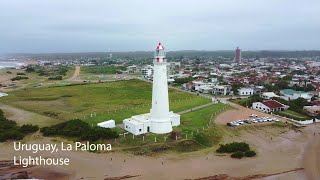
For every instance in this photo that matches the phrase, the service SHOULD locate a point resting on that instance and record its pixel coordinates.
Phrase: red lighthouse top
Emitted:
(159, 47)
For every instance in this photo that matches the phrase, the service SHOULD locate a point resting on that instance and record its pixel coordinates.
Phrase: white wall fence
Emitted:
(305, 122)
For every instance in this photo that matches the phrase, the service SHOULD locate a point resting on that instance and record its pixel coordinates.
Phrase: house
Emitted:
(198, 84)
(269, 106)
(246, 91)
(258, 89)
(205, 89)
(316, 85)
(290, 94)
(268, 95)
(222, 90)
(147, 72)
(187, 86)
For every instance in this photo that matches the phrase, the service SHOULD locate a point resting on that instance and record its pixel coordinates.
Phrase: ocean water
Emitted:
(9, 64)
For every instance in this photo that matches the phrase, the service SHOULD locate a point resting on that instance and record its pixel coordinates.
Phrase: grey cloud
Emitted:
(122, 25)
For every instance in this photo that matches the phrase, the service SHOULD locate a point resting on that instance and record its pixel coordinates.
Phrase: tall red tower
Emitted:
(237, 56)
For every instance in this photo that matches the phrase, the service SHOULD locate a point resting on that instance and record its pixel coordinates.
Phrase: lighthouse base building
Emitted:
(159, 120)
(142, 123)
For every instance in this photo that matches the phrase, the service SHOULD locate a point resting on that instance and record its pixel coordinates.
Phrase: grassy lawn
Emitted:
(244, 101)
(190, 122)
(293, 114)
(200, 118)
(120, 114)
(101, 69)
(114, 100)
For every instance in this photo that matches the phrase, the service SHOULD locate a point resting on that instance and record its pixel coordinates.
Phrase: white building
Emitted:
(147, 72)
(246, 91)
(269, 106)
(222, 90)
(290, 94)
(268, 95)
(159, 120)
(107, 124)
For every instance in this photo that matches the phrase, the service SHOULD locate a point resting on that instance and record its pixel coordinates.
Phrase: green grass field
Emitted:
(194, 127)
(294, 115)
(200, 118)
(101, 69)
(113, 100)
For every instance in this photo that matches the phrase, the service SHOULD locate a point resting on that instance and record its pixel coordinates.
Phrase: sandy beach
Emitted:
(287, 151)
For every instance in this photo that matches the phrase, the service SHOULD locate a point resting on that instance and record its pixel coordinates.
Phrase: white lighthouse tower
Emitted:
(160, 100)
(160, 120)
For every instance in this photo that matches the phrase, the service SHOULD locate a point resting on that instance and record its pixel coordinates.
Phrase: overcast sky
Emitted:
(130, 25)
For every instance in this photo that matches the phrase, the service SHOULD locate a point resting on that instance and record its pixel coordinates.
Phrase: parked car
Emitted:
(235, 124)
(253, 115)
(240, 122)
(247, 121)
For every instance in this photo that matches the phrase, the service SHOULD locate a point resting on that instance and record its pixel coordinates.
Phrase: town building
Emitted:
(237, 56)
(290, 94)
(147, 72)
(246, 91)
(269, 95)
(269, 106)
(222, 90)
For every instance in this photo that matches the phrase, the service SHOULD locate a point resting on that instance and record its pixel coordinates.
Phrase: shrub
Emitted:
(55, 78)
(250, 153)
(29, 128)
(79, 129)
(233, 147)
(9, 130)
(19, 78)
(21, 74)
(202, 138)
(237, 155)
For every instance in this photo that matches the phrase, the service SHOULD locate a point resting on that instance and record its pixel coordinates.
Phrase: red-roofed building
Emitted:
(316, 85)
(269, 106)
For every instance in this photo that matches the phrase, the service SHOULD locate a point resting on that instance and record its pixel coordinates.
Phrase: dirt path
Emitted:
(75, 74)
